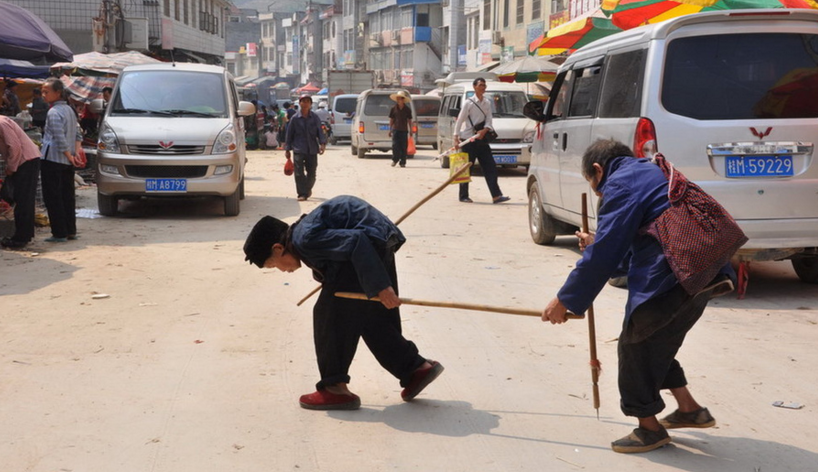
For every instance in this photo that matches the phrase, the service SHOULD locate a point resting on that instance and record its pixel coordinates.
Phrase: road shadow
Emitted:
(29, 270)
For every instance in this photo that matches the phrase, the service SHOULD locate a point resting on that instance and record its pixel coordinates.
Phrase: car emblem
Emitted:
(760, 134)
(170, 144)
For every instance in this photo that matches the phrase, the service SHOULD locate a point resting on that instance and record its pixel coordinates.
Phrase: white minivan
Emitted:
(729, 97)
(171, 130)
(515, 132)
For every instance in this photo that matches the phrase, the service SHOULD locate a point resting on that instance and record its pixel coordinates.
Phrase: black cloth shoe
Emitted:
(641, 440)
(9, 243)
(700, 418)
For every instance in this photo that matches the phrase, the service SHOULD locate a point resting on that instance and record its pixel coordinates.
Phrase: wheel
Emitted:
(806, 268)
(444, 162)
(540, 224)
(241, 188)
(361, 153)
(107, 204)
(232, 204)
(333, 140)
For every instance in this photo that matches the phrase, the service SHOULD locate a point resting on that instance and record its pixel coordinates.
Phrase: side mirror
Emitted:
(453, 112)
(246, 108)
(535, 110)
(97, 106)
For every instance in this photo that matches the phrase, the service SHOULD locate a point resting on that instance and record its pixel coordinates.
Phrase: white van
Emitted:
(370, 126)
(172, 129)
(428, 109)
(515, 132)
(727, 96)
(343, 109)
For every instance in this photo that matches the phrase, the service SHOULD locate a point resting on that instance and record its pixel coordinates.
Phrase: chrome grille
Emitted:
(155, 149)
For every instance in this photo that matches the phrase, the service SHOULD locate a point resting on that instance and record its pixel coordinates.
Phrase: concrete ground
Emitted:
(150, 345)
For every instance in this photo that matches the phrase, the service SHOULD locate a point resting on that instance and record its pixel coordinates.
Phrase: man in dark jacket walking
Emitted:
(350, 247)
(306, 139)
(659, 312)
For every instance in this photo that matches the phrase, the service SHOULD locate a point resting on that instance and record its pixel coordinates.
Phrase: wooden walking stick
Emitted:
(417, 205)
(463, 306)
(596, 367)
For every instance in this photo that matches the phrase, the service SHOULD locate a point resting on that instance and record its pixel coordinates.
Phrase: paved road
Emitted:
(150, 345)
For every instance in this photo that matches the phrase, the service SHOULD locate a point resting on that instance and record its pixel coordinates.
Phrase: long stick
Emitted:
(425, 199)
(464, 306)
(595, 366)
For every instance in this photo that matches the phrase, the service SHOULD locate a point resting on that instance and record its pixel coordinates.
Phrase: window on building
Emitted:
(176, 10)
(486, 14)
(167, 7)
(536, 9)
(520, 11)
(506, 12)
(423, 19)
(186, 9)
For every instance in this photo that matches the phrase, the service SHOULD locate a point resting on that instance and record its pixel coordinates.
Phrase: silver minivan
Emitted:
(171, 130)
(727, 96)
(343, 110)
(427, 107)
(370, 126)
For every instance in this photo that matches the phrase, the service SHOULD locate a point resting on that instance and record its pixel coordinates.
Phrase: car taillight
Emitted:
(644, 139)
(361, 127)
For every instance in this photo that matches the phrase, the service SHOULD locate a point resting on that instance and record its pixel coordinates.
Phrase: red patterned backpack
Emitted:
(697, 234)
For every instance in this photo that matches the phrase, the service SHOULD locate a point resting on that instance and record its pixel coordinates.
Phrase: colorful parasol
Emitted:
(529, 69)
(632, 13)
(575, 34)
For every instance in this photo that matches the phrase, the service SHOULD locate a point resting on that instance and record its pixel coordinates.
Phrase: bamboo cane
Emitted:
(595, 365)
(425, 199)
(463, 306)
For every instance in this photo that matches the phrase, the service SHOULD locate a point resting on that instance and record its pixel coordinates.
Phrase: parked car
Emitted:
(171, 130)
(515, 132)
(370, 126)
(428, 109)
(343, 110)
(726, 96)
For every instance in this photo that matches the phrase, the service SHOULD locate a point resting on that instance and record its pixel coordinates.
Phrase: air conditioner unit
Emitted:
(496, 37)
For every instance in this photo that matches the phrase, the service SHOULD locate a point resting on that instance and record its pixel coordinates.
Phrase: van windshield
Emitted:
(170, 93)
(742, 76)
(506, 104)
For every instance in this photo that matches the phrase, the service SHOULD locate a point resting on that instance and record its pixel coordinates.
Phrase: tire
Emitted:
(444, 162)
(434, 145)
(241, 188)
(333, 141)
(107, 205)
(232, 204)
(361, 153)
(806, 268)
(353, 149)
(540, 224)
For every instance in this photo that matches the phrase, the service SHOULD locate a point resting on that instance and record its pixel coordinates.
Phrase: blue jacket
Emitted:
(304, 133)
(634, 193)
(347, 229)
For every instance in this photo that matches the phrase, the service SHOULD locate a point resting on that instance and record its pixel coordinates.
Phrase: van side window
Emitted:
(563, 92)
(622, 88)
(586, 91)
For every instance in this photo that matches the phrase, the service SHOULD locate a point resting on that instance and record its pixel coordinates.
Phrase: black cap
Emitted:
(259, 244)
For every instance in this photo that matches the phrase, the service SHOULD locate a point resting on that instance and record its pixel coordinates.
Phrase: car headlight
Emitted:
(108, 141)
(528, 137)
(226, 141)
(109, 169)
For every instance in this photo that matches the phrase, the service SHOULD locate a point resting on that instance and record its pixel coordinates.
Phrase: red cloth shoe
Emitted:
(324, 400)
(420, 379)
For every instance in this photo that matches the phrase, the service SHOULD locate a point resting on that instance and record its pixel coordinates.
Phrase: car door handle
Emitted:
(564, 141)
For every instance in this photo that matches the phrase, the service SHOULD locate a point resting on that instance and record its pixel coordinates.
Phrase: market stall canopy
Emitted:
(97, 63)
(87, 88)
(309, 88)
(25, 36)
(14, 68)
(529, 69)
(571, 36)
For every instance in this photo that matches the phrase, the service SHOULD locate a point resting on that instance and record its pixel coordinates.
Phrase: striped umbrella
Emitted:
(575, 34)
(529, 69)
(632, 13)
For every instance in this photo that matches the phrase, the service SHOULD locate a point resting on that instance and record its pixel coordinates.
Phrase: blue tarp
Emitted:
(13, 69)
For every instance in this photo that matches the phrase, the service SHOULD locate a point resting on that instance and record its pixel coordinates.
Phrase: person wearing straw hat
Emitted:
(400, 125)
(350, 246)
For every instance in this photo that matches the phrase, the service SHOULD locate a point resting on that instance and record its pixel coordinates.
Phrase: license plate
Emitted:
(758, 166)
(427, 125)
(383, 127)
(505, 159)
(348, 120)
(166, 185)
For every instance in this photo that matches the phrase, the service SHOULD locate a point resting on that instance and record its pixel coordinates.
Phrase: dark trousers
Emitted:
(338, 324)
(647, 349)
(305, 166)
(58, 195)
(25, 193)
(481, 151)
(400, 141)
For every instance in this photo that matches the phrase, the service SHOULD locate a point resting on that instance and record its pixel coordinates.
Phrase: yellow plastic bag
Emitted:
(456, 161)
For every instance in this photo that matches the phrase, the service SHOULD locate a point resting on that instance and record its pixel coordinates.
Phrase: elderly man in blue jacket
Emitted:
(658, 313)
(350, 246)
